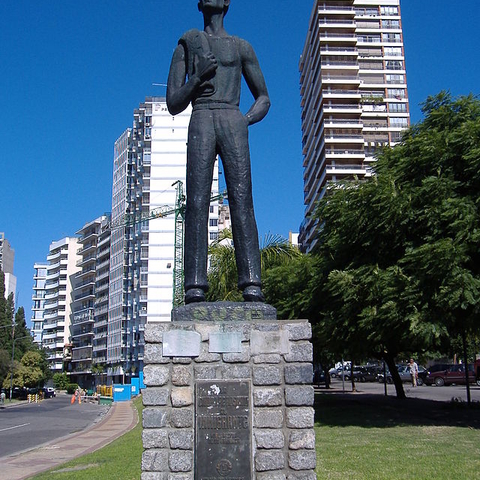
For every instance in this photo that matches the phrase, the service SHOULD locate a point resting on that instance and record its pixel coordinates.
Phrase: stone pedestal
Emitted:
(229, 396)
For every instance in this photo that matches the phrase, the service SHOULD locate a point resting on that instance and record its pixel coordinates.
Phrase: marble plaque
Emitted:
(223, 430)
(269, 342)
(181, 343)
(230, 342)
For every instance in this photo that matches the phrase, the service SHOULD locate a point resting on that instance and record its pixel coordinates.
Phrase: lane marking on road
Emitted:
(16, 426)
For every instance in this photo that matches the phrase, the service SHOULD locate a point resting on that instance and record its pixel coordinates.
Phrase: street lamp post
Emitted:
(13, 353)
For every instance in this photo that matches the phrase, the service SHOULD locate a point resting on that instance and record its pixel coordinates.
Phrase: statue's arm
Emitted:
(179, 91)
(256, 83)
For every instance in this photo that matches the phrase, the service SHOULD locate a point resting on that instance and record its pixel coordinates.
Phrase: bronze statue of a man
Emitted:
(206, 70)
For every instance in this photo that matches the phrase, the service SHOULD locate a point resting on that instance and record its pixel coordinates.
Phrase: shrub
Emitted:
(71, 387)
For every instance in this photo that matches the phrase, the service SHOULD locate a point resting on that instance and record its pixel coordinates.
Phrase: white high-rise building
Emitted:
(353, 91)
(38, 301)
(145, 252)
(63, 263)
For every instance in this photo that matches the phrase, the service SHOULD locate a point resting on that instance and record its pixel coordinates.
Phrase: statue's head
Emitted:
(214, 4)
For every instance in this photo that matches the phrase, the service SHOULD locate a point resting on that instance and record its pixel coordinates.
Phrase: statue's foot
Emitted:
(194, 295)
(253, 294)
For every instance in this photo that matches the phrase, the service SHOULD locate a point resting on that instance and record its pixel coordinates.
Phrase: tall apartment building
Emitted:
(90, 300)
(7, 257)
(63, 263)
(353, 94)
(38, 301)
(149, 161)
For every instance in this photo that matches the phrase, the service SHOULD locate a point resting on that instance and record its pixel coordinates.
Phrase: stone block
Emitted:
(156, 375)
(272, 358)
(155, 417)
(302, 417)
(181, 476)
(235, 372)
(207, 373)
(182, 360)
(269, 439)
(300, 352)
(154, 438)
(299, 396)
(271, 476)
(154, 332)
(155, 396)
(154, 354)
(154, 476)
(155, 460)
(267, 375)
(302, 440)
(311, 475)
(181, 418)
(181, 376)
(180, 461)
(268, 418)
(299, 331)
(299, 374)
(265, 461)
(181, 439)
(267, 397)
(182, 396)
(302, 460)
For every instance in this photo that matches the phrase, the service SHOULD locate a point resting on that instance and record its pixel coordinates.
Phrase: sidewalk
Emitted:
(121, 418)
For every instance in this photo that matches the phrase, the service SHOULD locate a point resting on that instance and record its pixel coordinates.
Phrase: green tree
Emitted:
(222, 274)
(400, 252)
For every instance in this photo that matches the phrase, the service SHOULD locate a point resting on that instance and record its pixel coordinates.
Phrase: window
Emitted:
(395, 79)
(396, 93)
(398, 122)
(389, 11)
(393, 51)
(213, 222)
(213, 236)
(397, 107)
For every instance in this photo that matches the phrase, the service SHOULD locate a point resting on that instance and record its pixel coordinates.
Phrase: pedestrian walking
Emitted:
(413, 372)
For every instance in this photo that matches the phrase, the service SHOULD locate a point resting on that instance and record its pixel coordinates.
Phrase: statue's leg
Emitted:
(234, 151)
(201, 154)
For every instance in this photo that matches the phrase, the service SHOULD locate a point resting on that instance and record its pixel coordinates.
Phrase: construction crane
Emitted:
(179, 211)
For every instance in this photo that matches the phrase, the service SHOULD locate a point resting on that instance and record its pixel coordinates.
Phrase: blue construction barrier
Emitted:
(135, 381)
(122, 393)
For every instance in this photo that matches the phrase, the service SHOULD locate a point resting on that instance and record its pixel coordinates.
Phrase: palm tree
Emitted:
(275, 250)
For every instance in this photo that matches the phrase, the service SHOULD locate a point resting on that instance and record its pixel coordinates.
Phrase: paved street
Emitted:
(25, 426)
(441, 394)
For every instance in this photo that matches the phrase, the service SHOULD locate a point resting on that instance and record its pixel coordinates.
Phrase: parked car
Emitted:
(451, 374)
(404, 373)
(318, 377)
(49, 392)
(364, 374)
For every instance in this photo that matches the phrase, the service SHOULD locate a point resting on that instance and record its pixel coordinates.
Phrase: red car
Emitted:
(451, 374)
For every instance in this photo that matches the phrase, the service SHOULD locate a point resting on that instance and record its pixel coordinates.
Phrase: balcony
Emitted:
(85, 316)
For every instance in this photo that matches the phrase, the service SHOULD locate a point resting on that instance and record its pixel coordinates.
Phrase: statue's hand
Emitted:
(205, 66)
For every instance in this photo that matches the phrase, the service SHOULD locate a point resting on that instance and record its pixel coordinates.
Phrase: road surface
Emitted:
(26, 426)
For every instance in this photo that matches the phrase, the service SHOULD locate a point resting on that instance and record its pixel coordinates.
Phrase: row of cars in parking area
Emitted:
(23, 393)
(438, 374)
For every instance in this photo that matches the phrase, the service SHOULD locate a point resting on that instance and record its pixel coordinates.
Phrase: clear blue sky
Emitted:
(73, 71)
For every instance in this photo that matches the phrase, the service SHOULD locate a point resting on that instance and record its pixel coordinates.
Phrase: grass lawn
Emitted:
(120, 460)
(359, 437)
(370, 437)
